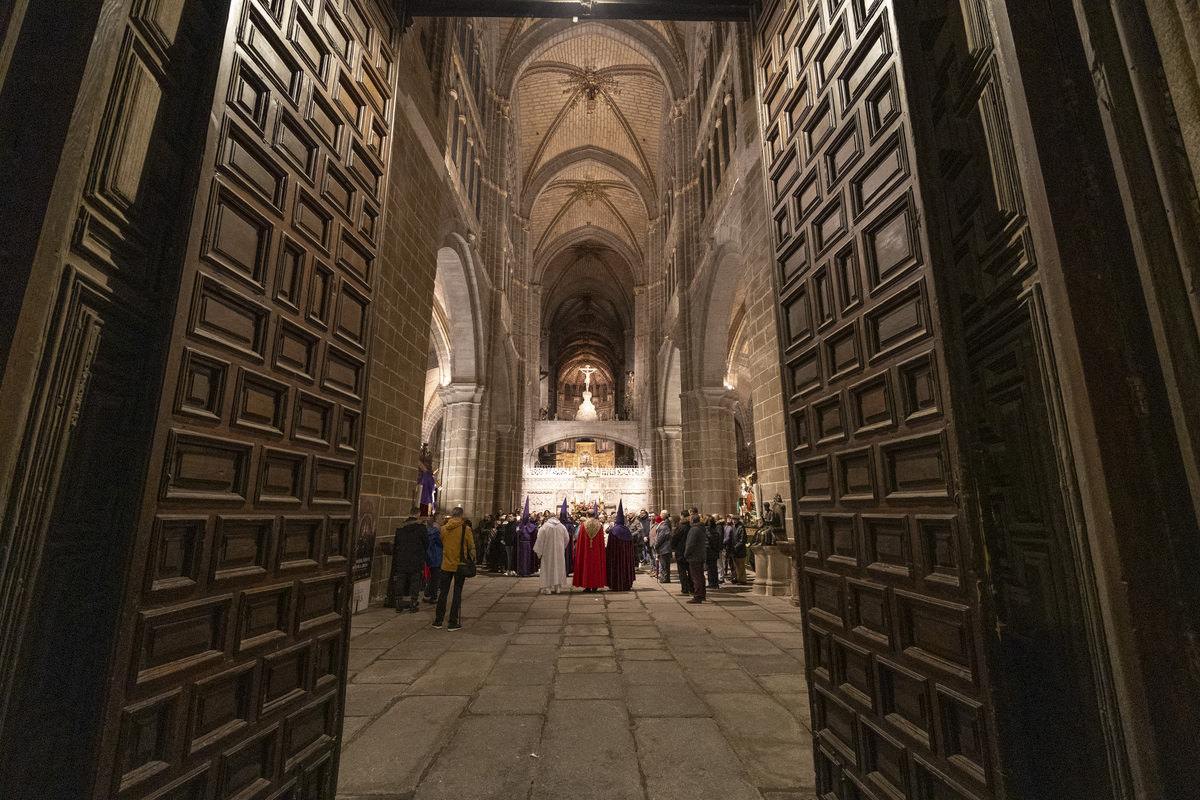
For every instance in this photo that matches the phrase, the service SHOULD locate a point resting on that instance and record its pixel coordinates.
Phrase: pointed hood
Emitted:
(619, 529)
(596, 507)
(564, 513)
(526, 526)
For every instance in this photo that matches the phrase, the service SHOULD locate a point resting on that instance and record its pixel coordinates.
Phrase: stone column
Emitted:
(710, 476)
(460, 448)
(669, 468)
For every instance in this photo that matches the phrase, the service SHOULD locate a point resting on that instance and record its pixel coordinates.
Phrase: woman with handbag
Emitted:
(458, 564)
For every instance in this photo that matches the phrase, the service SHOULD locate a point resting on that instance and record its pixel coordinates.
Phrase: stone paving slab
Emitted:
(390, 755)
(511, 700)
(631, 696)
(587, 751)
(689, 758)
(392, 671)
(488, 757)
(592, 664)
(588, 686)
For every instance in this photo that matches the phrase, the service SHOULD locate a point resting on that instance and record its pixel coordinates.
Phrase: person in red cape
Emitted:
(620, 556)
(590, 565)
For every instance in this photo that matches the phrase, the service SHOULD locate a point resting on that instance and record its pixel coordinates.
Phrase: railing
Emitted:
(588, 472)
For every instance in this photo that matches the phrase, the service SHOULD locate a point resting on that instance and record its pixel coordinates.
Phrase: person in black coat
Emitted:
(696, 552)
(678, 544)
(715, 534)
(408, 561)
(737, 543)
(486, 528)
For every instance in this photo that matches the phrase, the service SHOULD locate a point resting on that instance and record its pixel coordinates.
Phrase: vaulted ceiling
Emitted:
(589, 104)
(589, 114)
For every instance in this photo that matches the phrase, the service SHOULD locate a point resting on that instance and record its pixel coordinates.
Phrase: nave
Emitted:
(621, 696)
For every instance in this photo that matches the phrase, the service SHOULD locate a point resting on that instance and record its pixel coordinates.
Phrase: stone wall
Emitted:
(418, 200)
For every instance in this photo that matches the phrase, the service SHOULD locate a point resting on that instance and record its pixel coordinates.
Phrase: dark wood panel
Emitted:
(234, 683)
(876, 473)
(908, 279)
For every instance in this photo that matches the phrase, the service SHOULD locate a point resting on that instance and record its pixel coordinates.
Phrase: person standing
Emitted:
(620, 555)
(457, 546)
(481, 541)
(433, 560)
(508, 538)
(495, 546)
(526, 533)
(590, 564)
(678, 547)
(551, 548)
(564, 516)
(408, 561)
(638, 532)
(738, 538)
(647, 529)
(662, 546)
(727, 568)
(696, 553)
(714, 551)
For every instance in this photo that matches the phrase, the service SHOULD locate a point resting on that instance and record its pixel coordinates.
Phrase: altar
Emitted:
(547, 486)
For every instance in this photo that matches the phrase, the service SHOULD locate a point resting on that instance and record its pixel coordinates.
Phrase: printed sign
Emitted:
(364, 548)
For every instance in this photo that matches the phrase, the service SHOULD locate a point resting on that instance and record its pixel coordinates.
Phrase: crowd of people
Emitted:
(591, 548)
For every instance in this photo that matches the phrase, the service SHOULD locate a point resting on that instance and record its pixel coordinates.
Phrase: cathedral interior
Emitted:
(926, 270)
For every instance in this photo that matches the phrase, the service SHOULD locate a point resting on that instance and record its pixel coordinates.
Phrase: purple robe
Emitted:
(526, 559)
(570, 546)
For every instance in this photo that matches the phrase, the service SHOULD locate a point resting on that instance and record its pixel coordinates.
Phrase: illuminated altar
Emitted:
(547, 486)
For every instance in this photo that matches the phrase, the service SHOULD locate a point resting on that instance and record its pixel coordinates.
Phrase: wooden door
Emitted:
(229, 673)
(941, 590)
(112, 243)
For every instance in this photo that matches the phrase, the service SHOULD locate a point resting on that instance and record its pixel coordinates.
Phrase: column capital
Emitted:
(713, 397)
(457, 393)
(669, 432)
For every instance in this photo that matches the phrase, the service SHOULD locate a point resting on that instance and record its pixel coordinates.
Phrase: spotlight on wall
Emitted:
(574, 19)
(729, 386)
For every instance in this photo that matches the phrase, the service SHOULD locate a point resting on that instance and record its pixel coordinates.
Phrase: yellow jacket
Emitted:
(451, 541)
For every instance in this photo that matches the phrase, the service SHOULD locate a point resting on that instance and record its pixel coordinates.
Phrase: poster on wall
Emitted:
(364, 548)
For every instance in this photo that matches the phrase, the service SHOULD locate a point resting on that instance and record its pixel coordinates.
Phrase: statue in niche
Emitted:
(587, 410)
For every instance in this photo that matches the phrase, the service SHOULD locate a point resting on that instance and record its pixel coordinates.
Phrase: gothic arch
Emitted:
(458, 290)
(718, 301)
(550, 169)
(587, 236)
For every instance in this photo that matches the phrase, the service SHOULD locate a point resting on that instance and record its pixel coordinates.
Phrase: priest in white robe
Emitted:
(551, 548)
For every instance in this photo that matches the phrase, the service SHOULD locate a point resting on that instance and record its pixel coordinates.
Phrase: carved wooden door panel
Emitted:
(1050, 650)
(230, 676)
(942, 608)
(896, 657)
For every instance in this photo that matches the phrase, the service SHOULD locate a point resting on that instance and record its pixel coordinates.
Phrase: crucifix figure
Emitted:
(587, 409)
(587, 376)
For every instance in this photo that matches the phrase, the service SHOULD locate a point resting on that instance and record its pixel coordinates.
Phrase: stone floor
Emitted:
(608, 696)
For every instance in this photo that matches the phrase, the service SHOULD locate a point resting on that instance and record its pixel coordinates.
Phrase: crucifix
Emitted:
(587, 376)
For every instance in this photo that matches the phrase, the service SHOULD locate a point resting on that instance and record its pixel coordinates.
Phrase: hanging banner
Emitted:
(364, 548)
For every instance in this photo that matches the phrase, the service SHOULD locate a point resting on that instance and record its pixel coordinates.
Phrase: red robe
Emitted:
(590, 565)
